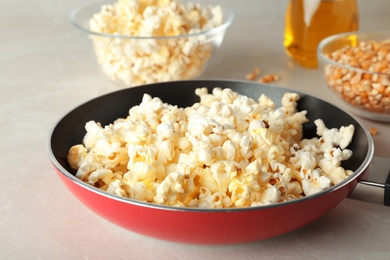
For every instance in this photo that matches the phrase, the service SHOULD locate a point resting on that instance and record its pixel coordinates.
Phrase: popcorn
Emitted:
(100, 177)
(135, 61)
(269, 196)
(227, 150)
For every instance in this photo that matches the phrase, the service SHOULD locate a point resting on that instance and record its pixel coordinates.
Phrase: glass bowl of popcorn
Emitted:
(357, 68)
(233, 162)
(140, 42)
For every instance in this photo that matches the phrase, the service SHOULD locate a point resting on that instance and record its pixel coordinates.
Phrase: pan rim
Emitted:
(358, 172)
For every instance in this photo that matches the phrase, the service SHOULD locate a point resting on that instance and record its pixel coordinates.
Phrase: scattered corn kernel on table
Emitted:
(47, 69)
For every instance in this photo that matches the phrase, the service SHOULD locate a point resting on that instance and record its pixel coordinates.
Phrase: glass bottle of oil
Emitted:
(309, 21)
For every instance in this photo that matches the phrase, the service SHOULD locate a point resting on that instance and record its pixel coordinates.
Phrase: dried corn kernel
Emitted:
(254, 74)
(269, 78)
(373, 131)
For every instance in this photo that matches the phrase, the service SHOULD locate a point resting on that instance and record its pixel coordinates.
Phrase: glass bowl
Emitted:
(135, 60)
(357, 68)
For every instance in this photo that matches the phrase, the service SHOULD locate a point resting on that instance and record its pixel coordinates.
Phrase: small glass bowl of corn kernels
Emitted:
(357, 68)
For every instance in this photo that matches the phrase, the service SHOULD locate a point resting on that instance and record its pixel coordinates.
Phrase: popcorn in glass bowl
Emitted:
(146, 41)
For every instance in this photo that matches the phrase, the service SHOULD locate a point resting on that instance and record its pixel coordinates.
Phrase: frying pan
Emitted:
(205, 226)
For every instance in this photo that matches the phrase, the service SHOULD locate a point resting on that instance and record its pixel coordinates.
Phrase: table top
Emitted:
(46, 69)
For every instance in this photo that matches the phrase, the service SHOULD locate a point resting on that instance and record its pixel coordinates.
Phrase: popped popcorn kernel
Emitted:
(225, 151)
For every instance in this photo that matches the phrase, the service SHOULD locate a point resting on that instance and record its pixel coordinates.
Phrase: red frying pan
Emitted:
(205, 226)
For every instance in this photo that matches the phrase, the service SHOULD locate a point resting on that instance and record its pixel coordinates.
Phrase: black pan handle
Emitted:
(386, 199)
(380, 177)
